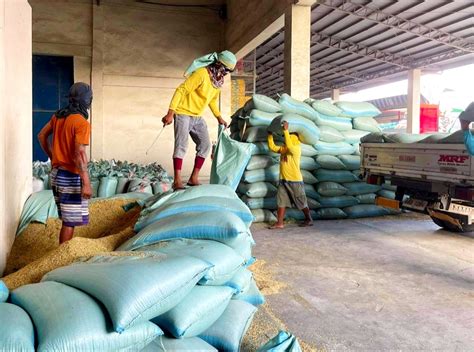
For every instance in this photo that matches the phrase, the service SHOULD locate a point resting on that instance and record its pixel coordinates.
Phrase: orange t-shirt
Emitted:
(66, 133)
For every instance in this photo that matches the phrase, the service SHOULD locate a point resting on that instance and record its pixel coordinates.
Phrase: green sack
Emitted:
(230, 160)
(365, 211)
(308, 163)
(356, 188)
(308, 177)
(366, 198)
(340, 176)
(330, 213)
(337, 202)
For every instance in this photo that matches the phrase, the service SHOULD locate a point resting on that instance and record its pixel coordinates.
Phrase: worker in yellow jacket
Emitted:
(291, 187)
(201, 88)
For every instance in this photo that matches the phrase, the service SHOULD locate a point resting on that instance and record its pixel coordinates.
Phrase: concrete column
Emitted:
(97, 77)
(335, 94)
(413, 108)
(297, 50)
(15, 117)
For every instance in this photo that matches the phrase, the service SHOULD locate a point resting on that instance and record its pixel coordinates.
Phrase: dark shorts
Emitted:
(72, 209)
(291, 194)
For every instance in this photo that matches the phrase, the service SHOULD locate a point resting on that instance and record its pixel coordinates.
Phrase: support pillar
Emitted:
(413, 108)
(297, 50)
(97, 77)
(335, 94)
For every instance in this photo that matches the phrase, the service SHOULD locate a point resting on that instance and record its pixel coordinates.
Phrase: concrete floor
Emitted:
(393, 283)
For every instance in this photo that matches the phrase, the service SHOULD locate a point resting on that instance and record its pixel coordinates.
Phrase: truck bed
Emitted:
(450, 163)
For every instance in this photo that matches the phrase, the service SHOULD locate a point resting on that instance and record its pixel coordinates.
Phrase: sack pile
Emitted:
(110, 177)
(181, 283)
(330, 135)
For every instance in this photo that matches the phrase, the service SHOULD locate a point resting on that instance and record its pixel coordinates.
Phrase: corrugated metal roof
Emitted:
(395, 102)
(362, 43)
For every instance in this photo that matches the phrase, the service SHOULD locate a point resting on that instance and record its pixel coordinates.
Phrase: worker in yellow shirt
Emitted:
(291, 187)
(202, 87)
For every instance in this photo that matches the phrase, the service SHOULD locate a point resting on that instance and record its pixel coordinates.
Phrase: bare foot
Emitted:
(307, 223)
(276, 226)
(178, 186)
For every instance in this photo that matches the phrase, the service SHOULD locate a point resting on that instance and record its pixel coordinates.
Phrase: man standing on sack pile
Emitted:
(466, 117)
(69, 176)
(202, 87)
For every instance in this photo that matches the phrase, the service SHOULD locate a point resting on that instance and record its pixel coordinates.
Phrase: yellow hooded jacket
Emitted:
(290, 156)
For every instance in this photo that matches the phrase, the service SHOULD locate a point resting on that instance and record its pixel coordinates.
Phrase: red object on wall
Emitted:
(429, 116)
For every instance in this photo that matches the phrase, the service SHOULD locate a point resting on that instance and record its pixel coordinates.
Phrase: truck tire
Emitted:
(450, 227)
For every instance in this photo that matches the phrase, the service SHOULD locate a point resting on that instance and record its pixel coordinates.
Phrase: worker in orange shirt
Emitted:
(69, 176)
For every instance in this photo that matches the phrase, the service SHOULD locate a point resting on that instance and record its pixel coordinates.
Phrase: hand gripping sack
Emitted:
(131, 288)
(229, 161)
(308, 132)
(67, 319)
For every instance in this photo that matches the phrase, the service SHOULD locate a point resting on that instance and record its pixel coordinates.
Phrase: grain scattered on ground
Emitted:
(266, 282)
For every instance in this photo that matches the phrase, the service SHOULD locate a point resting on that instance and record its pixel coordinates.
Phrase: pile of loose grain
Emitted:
(264, 278)
(36, 251)
(106, 217)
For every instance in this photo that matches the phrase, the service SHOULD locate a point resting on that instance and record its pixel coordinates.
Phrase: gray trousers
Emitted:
(195, 127)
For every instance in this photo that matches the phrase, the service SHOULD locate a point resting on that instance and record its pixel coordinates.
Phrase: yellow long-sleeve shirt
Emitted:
(195, 94)
(290, 156)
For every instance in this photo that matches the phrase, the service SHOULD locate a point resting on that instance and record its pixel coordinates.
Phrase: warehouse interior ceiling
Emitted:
(185, 2)
(358, 44)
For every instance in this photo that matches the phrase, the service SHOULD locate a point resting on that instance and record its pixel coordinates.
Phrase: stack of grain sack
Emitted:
(330, 135)
(181, 283)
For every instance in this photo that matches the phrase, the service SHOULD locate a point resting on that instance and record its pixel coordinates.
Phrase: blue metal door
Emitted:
(52, 77)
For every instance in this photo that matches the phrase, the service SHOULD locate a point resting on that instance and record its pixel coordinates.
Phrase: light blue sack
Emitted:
(251, 295)
(293, 106)
(365, 210)
(261, 162)
(326, 108)
(226, 262)
(308, 163)
(261, 148)
(339, 123)
(269, 203)
(331, 189)
(17, 333)
(133, 289)
(261, 118)
(386, 194)
(297, 214)
(197, 205)
(368, 124)
(330, 135)
(196, 312)
(263, 103)
(257, 189)
(230, 160)
(241, 280)
(283, 342)
(308, 132)
(4, 292)
(39, 207)
(351, 162)
(263, 215)
(337, 202)
(356, 109)
(67, 319)
(330, 162)
(207, 225)
(255, 134)
(310, 191)
(339, 176)
(330, 214)
(353, 136)
(356, 188)
(308, 177)
(308, 150)
(227, 332)
(271, 174)
(339, 148)
(167, 344)
(366, 198)
(107, 187)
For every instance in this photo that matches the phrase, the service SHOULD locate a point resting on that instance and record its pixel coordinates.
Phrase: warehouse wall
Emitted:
(134, 55)
(15, 117)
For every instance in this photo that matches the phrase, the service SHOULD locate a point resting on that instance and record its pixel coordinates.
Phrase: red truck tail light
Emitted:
(464, 193)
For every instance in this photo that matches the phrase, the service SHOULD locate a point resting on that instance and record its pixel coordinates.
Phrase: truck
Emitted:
(434, 179)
